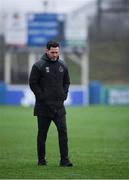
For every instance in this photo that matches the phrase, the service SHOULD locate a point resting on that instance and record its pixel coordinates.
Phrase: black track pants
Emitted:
(43, 126)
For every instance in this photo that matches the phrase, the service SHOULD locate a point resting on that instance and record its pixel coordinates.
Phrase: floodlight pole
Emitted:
(85, 69)
(32, 58)
(7, 68)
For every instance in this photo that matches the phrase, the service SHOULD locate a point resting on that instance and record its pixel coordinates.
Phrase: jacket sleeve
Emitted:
(34, 81)
(66, 82)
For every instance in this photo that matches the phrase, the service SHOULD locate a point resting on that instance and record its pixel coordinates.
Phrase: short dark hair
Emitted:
(52, 44)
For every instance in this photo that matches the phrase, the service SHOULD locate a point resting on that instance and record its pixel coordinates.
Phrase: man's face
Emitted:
(53, 53)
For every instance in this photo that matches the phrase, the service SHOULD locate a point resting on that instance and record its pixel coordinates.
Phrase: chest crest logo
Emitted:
(61, 69)
(47, 69)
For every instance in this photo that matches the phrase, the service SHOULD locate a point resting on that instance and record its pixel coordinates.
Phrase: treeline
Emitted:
(109, 42)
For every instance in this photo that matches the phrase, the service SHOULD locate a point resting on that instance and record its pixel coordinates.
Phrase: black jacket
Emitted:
(49, 81)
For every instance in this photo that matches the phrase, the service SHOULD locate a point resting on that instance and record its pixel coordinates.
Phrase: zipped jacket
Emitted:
(49, 80)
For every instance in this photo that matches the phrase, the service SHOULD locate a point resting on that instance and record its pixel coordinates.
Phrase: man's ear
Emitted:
(46, 50)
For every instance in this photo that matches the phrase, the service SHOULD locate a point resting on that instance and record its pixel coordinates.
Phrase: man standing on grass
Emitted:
(49, 81)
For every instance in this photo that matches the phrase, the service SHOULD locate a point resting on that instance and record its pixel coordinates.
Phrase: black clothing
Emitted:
(43, 126)
(49, 80)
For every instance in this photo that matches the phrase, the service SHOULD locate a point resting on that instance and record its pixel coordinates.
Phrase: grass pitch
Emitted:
(98, 144)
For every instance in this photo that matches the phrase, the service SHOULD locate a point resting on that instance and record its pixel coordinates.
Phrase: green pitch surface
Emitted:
(98, 144)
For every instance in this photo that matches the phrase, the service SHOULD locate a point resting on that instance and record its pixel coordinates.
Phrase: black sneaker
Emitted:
(42, 162)
(66, 163)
